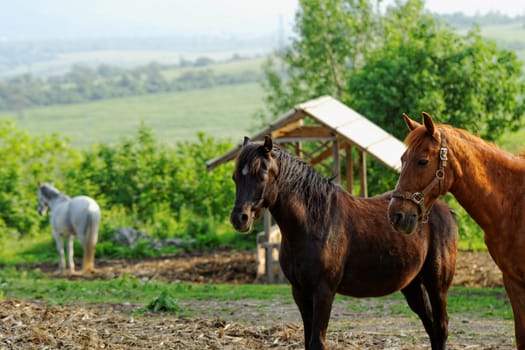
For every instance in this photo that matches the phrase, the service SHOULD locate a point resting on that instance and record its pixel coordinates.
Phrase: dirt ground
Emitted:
(242, 324)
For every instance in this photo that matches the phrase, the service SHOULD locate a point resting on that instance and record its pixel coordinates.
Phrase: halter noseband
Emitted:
(419, 197)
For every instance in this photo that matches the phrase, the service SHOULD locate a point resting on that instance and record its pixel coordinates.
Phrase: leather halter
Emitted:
(419, 197)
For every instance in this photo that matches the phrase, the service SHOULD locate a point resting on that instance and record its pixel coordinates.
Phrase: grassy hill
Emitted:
(225, 112)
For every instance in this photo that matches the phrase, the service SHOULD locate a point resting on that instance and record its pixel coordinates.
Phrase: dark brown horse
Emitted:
(333, 242)
(487, 181)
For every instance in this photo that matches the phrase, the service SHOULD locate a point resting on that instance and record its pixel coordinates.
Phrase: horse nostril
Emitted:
(244, 218)
(411, 219)
(398, 218)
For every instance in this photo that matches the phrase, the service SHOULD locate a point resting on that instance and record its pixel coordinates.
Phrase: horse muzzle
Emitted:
(42, 210)
(242, 219)
(402, 220)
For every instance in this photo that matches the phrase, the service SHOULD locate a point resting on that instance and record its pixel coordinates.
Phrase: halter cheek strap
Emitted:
(418, 198)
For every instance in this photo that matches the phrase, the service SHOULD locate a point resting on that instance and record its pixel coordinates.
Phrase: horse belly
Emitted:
(60, 223)
(377, 278)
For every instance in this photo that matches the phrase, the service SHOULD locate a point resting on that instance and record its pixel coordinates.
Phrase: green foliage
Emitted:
(166, 191)
(425, 66)
(25, 161)
(332, 39)
(471, 235)
(142, 249)
(401, 61)
(161, 190)
(164, 303)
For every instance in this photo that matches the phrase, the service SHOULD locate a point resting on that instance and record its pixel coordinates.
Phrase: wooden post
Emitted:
(362, 174)
(267, 224)
(337, 167)
(349, 159)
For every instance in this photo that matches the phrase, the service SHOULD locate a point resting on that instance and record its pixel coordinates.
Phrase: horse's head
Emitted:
(46, 193)
(422, 179)
(42, 200)
(255, 177)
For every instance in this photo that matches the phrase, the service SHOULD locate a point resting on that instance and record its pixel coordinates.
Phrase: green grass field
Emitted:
(221, 112)
(243, 66)
(33, 285)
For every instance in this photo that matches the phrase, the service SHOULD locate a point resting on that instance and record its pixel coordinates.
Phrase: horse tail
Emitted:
(90, 240)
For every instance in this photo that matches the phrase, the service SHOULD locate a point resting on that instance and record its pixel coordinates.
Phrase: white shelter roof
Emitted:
(343, 122)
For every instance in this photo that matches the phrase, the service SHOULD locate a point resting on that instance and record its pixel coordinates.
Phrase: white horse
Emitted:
(79, 217)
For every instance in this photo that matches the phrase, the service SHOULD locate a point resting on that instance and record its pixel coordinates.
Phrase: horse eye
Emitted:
(422, 162)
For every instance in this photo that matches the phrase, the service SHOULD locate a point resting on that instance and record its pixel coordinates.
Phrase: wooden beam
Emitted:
(283, 130)
(325, 154)
(307, 131)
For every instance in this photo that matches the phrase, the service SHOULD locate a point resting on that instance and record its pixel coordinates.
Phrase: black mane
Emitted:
(301, 180)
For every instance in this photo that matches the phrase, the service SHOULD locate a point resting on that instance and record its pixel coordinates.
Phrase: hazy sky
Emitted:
(70, 18)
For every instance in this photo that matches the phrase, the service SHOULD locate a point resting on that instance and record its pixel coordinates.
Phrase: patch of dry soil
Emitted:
(243, 324)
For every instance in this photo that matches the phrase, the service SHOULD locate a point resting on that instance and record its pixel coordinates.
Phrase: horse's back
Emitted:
(84, 211)
(84, 203)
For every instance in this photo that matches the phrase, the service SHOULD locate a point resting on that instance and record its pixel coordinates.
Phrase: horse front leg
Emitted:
(60, 249)
(516, 292)
(322, 307)
(304, 301)
(315, 307)
(70, 253)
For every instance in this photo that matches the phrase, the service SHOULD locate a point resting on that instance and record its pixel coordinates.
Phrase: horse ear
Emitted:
(268, 144)
(429, 124)
(246, 140)
(412, 124)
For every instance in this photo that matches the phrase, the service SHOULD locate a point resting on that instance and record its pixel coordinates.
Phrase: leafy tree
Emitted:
(423, 65)
(333, 37)
(402, 61)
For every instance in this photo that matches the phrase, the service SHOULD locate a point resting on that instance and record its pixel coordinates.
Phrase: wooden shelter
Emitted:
(337, 131)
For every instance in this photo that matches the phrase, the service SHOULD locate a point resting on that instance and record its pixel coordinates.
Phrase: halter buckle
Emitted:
(440, 174)
(443, 154)
(418, 197)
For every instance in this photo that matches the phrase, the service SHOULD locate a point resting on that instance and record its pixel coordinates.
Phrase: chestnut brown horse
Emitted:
(487, 181)
(333, 242)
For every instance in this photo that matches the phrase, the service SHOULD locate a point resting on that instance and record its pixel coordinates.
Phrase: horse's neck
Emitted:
(302, 206)
(485, 180)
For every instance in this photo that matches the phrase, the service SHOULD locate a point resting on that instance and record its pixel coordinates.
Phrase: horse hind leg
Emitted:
(90, 238)
(418, 299)
(88, 259)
